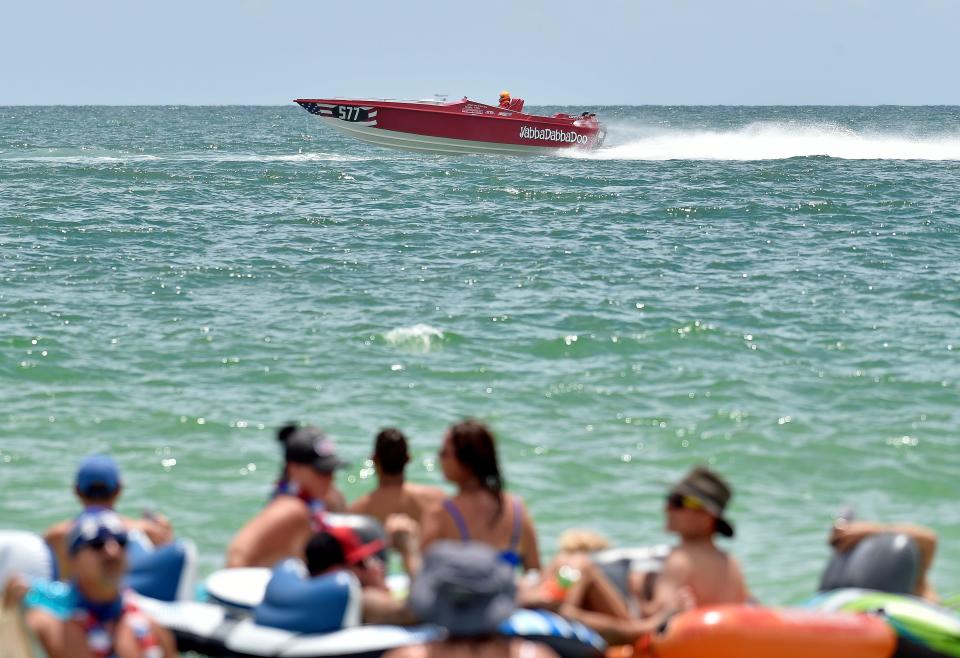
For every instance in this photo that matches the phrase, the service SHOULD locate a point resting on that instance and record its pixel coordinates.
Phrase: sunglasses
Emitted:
(98, 543)
(680, 501)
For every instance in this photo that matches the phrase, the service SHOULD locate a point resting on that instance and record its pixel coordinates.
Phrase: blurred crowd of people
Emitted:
(479, 546)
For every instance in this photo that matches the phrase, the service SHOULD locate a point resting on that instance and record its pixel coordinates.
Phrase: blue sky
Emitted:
(597, 52)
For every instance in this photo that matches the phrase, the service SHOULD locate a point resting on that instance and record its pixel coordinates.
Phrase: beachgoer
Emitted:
(695, 573)
(695, 511)
(90, 616)
(844, 535)
(480, 510)
(339, 548)
(98, 485)
(297, 509)
(333, 500)
(394, 495)
(467, 589)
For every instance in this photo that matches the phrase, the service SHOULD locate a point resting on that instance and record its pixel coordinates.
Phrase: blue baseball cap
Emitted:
(99, 475)
(95, 527)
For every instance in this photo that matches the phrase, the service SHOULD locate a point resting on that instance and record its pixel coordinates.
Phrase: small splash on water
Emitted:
(419, 337)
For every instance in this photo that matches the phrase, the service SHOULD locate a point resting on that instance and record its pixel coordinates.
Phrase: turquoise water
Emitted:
(775, 291)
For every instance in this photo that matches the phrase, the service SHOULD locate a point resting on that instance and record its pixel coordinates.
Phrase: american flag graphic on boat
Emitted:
(363, 115)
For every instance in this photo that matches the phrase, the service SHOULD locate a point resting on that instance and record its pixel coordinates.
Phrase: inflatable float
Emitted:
(923, 628)
(258, 612)
(738, 631)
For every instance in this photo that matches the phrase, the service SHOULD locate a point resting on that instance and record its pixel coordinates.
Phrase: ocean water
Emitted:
(773, 291)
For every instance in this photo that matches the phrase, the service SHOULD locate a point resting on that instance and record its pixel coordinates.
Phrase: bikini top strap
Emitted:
(517, 524)
(457, 518)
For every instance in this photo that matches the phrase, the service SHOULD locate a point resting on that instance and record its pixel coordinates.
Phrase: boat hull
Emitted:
(455, 128)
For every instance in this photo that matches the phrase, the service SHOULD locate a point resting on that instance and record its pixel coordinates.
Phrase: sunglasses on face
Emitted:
(679, 501)
(99, 542)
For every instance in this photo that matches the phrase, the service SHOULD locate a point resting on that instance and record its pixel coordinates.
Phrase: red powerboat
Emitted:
(463, 126)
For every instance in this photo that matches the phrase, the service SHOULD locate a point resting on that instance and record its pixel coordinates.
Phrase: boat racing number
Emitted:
(350, 113)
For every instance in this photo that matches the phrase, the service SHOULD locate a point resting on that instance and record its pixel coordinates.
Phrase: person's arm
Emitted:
(846, 535)
(335, 500)
(436, 525)
(380, 607)
(128, 645)
(50, 633)
(743, 595)
(156, 527)
(167, 642)
(528, 541)
(56, 538)
(403, 535)
(283, 524)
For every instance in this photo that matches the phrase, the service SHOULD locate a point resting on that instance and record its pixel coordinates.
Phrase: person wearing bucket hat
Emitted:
(90, 616)
(297, 508)
(467, 589)
(97, 485)
(695, 573)
(695, 509)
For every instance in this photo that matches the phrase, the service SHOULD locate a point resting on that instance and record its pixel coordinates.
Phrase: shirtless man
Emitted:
(696, 573)
(98, 485)
(394, 495)
(89, 616)
(283, 528)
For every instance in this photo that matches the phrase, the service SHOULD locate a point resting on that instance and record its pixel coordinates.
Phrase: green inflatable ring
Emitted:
(932, 626)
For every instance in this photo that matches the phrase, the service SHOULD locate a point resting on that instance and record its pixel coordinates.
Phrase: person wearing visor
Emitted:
(296, 510)
(98, 485)
(89, 616)
(340, 548)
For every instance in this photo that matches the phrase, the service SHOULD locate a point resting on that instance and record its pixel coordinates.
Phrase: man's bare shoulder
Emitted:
(361, 505)
(679, 558)
(427, 494)
(58, 531)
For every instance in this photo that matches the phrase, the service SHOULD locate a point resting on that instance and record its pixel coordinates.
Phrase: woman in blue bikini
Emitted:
(481, 510)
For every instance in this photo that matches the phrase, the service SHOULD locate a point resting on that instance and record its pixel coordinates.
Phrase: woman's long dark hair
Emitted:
(475, 449)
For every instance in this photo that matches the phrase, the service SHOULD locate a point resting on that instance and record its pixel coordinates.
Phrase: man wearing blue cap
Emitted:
(98, 486)
(89, 616)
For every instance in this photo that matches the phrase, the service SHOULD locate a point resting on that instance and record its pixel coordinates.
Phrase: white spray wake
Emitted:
(768, 141)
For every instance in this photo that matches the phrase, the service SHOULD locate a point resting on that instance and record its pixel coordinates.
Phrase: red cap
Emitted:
(354, 550)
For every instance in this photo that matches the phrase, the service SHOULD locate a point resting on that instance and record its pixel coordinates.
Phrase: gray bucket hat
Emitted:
(464, 587)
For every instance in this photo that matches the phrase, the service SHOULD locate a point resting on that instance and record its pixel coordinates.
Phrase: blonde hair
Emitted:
(579, 540)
